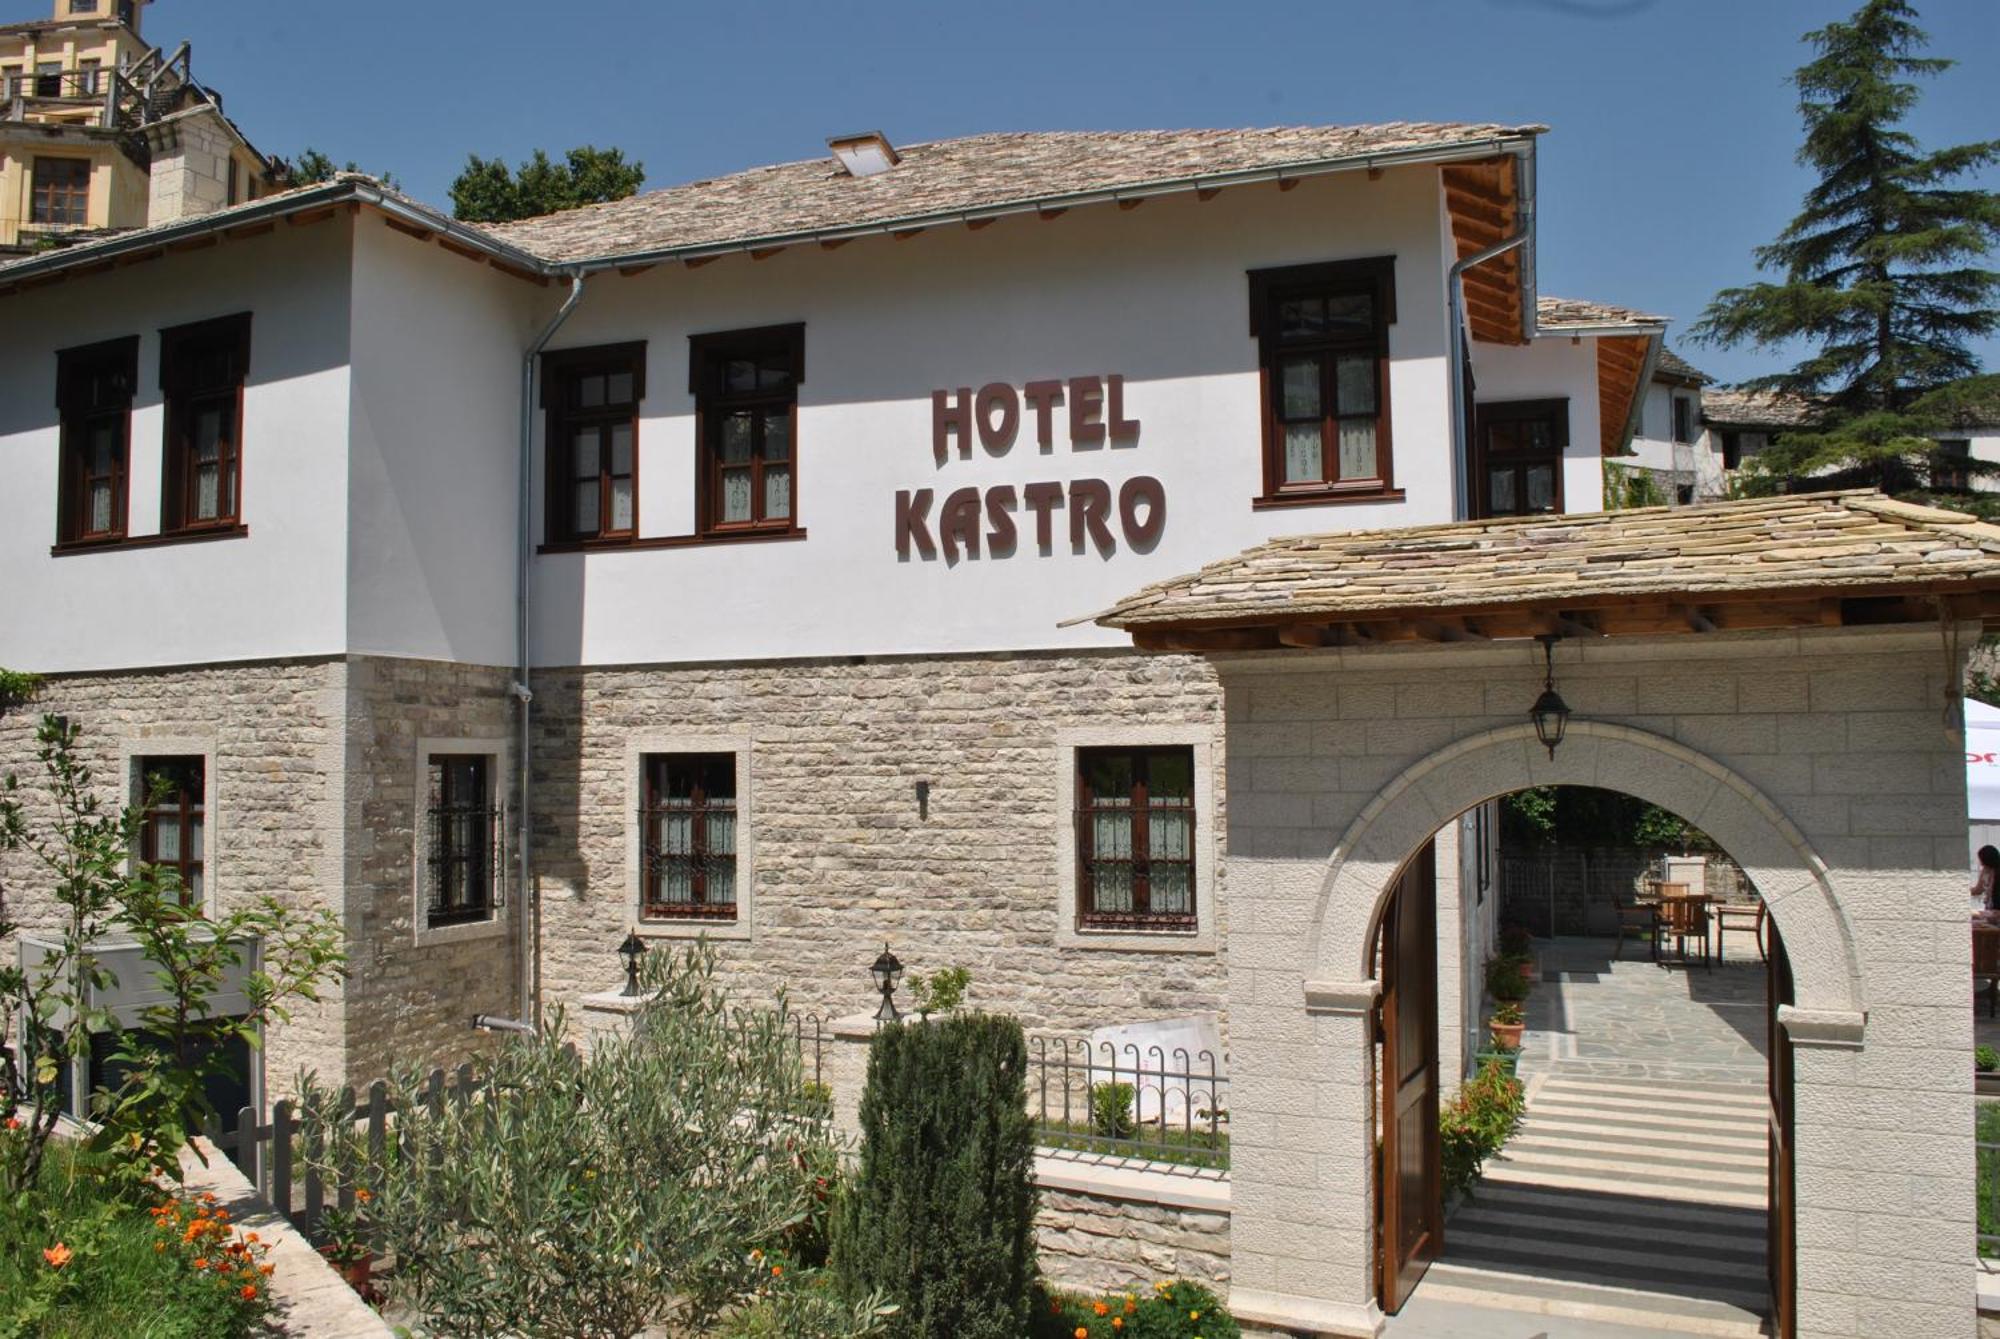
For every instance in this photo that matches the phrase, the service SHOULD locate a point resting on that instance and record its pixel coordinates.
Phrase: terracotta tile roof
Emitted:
(1759, 409)
(1575, 313)
(1671, 364)
(947, 177)
(1854, 542)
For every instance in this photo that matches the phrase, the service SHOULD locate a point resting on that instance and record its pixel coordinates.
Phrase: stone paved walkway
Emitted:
(1634, 1193)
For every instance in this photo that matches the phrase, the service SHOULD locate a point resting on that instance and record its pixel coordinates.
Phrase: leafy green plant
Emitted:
(1508, 1012)
(1986, 1138)
(1170, 1309)
(1627, 487)
(17, 688)
(1985, 1059)
(600, 1194)
(1477, 1122)
(940, 1218)
(941, 991)
(1111, 1114)
(1505, 979)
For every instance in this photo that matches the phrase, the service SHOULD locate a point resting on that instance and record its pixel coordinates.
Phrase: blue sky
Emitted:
(1669, 156)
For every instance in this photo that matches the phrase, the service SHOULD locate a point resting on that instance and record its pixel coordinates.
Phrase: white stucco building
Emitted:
(719, 561)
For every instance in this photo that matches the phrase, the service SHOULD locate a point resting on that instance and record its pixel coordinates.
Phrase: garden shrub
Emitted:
(1985, 1059)
(1986, 1135)
(1477, 1122)
(1172, 1309)
(79, 1261)
(1505, 981)
(1111, 1111)
(596, 1195)
(940, 1216)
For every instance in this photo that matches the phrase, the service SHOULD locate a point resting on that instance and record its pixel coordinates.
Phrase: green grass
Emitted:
(115, 1285)
(1184, 1148)
(1986, 1131)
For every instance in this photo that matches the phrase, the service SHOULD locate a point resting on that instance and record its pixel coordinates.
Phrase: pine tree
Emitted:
(1880, 269)
(487, 192)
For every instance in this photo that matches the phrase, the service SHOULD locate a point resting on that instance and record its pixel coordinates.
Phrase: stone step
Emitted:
(1545, 1125)
(1610, 1305)
(1552, 1256)
(1691, 1240)
(1620, 1212)
(1702, 1193)
(1663, 1107)
(1627, 1118)
(1641, 1153)
(1737, 1289)
(1753, 1093)
(1630, 1174)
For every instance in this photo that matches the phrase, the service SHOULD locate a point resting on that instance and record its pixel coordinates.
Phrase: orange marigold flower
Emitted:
(13, 1122)
(777, 1271)
(1118, 1322)
(1082, 1333)
(250, 1237)
(265, 1270)
(201, 1263)
(57, 1255)
(159, 1246)
(1101, 1309)
(248, 1292)
(364, 1195)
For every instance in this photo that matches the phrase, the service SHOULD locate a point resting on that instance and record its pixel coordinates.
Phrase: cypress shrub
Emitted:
(941, 1213)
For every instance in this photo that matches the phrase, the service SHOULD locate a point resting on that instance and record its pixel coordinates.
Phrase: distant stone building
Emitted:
(100, 131)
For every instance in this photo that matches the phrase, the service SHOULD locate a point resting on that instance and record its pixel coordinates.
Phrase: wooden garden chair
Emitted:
(1685, 917)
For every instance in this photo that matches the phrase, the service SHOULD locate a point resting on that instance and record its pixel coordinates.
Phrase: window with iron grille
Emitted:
(173, 832)
(61, 186)
(1135, 838)
(462, 841)
(688, 847)
(94, 401)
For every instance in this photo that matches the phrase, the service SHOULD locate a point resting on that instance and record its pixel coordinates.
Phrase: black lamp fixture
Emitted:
(887, 971)
(633, 949)
(1550, 713)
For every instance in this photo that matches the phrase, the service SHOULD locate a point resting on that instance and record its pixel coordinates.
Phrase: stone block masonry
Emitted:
(845, 855)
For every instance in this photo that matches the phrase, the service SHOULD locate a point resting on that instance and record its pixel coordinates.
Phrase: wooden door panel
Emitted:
(1780, 1243)
(1409, 1188)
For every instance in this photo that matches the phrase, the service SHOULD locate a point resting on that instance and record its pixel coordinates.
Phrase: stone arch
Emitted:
(1781, 864)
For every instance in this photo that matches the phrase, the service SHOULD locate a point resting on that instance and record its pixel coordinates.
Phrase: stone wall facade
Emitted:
(845, 854)
(1103, 1243)
(313, 778)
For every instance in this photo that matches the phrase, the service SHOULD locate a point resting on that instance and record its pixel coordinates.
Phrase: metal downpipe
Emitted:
(1461, 412)
(530, 927)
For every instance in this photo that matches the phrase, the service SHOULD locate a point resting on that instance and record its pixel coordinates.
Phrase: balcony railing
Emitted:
(69, 85)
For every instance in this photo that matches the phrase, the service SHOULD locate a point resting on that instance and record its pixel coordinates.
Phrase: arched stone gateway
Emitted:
(1788, 875)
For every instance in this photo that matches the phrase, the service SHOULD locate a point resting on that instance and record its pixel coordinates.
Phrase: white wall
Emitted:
(1553, 367)
(1157, 295)
(435, 442)
(280, 590)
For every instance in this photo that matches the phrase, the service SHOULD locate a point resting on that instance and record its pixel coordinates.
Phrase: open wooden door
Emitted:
(1779, 1252)
(1409, 1177)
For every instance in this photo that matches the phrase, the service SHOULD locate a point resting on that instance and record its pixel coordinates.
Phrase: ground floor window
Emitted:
(1135, 819)
(688, 823)
(461, 839)
(173, 831)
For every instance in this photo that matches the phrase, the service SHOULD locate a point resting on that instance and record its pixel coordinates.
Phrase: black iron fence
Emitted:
(1986, 1157)
(1162, 1104)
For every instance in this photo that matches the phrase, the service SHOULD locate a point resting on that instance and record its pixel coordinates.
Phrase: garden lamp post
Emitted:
(633, 949)
(1550, 713)
(887, 971)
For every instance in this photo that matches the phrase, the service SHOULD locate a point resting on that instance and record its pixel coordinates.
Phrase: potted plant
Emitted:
(1505, 981)
(1507, 1024)
(345, 1243)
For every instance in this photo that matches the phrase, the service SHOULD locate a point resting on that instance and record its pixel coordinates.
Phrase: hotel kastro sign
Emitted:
(1091, 411)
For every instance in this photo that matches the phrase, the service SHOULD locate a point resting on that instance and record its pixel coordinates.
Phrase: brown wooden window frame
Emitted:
(94, 390)
(1951, 464)
(565, 374)
(709, 356)
(1372, 277)
(188, 807)
(1554, 411)
(203, 367)
(1683, 425)
(1141, 810)
(49, 198)
(464, 831)
(655, 779)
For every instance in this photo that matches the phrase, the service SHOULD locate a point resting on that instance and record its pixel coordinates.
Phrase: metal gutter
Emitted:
(524, 697)
(1460, 152)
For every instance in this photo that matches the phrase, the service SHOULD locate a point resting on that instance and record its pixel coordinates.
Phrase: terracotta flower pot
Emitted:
(355, 1272)
(1507, 1034)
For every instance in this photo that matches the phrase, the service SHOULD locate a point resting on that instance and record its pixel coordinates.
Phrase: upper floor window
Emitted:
(60, 191)
(1732, 450)
(94, 402)
(461, 840)
(1135, 845)
(173, 832)
(1951, 464)
(1683, 419)
(592, 398)
(746, 389)
(1323, 348)
(202, 369)
(83, 6)
(1517, 448)
(687, 823)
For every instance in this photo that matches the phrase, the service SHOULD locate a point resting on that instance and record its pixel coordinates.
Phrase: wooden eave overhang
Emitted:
(1817, 561)
(1483, 201)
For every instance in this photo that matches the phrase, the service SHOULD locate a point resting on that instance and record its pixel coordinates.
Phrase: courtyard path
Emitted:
(1632, 1199)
